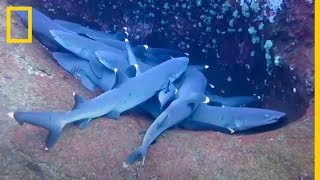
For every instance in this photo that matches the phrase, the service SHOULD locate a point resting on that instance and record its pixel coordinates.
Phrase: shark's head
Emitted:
(272, 116)
(70, 41)
(176, 66)
(256, 118)
(111, 60)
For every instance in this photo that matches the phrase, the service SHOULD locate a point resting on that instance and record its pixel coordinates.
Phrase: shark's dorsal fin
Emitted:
(132, 60)
(87, 83)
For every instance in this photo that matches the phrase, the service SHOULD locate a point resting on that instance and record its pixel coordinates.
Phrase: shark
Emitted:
(190, 95)
(41, 24)
(230, 119)
(128, 94)
(91, 33)
(81, 69)
(84, 48)
(233, 101)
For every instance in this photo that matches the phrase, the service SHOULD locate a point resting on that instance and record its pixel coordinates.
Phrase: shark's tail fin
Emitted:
(49, 120)
(140, 152)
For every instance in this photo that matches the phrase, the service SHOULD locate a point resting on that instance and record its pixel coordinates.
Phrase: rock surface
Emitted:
(31, 80)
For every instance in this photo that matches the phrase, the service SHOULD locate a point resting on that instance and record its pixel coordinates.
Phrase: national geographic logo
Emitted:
(11, 40)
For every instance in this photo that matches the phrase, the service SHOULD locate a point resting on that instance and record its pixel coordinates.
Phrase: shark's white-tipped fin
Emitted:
(231, 130)
(146, 46)
(73, 94)
(136, 66)
(126, 40)
(207, 100)
(115, 70)
(143, 159)
(127, 33)
(175, 91)
(45, 148)
(11, 115)
(187, 54)
(125, 165)
(206, 66)
(211, 86)
(125, 29)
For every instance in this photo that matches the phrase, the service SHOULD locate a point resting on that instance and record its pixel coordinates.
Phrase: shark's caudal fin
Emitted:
(140, 152)
(78, 100)
(48, 120)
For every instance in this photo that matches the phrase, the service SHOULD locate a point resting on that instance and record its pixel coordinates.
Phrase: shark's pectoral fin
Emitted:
(167, 94)
(113, 115)
(231, 130)
(97, 67)
(87, 83)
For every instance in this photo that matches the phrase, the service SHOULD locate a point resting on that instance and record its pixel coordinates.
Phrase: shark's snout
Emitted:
(274, 117)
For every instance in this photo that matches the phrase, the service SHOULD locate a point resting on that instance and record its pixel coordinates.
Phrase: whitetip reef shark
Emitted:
(112, 103)
(189, 96)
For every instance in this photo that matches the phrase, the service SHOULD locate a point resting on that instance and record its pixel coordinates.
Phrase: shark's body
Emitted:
(127, 95)
(190, 95)
(81, 69)
(230, 119)
(94, 34)
(41, 24)
(233, 101)
(84, 48)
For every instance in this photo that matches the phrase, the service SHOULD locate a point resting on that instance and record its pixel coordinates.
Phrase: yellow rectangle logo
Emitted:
(11, 40)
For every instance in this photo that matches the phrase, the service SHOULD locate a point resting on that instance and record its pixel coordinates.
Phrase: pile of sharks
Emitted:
(159, 81)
